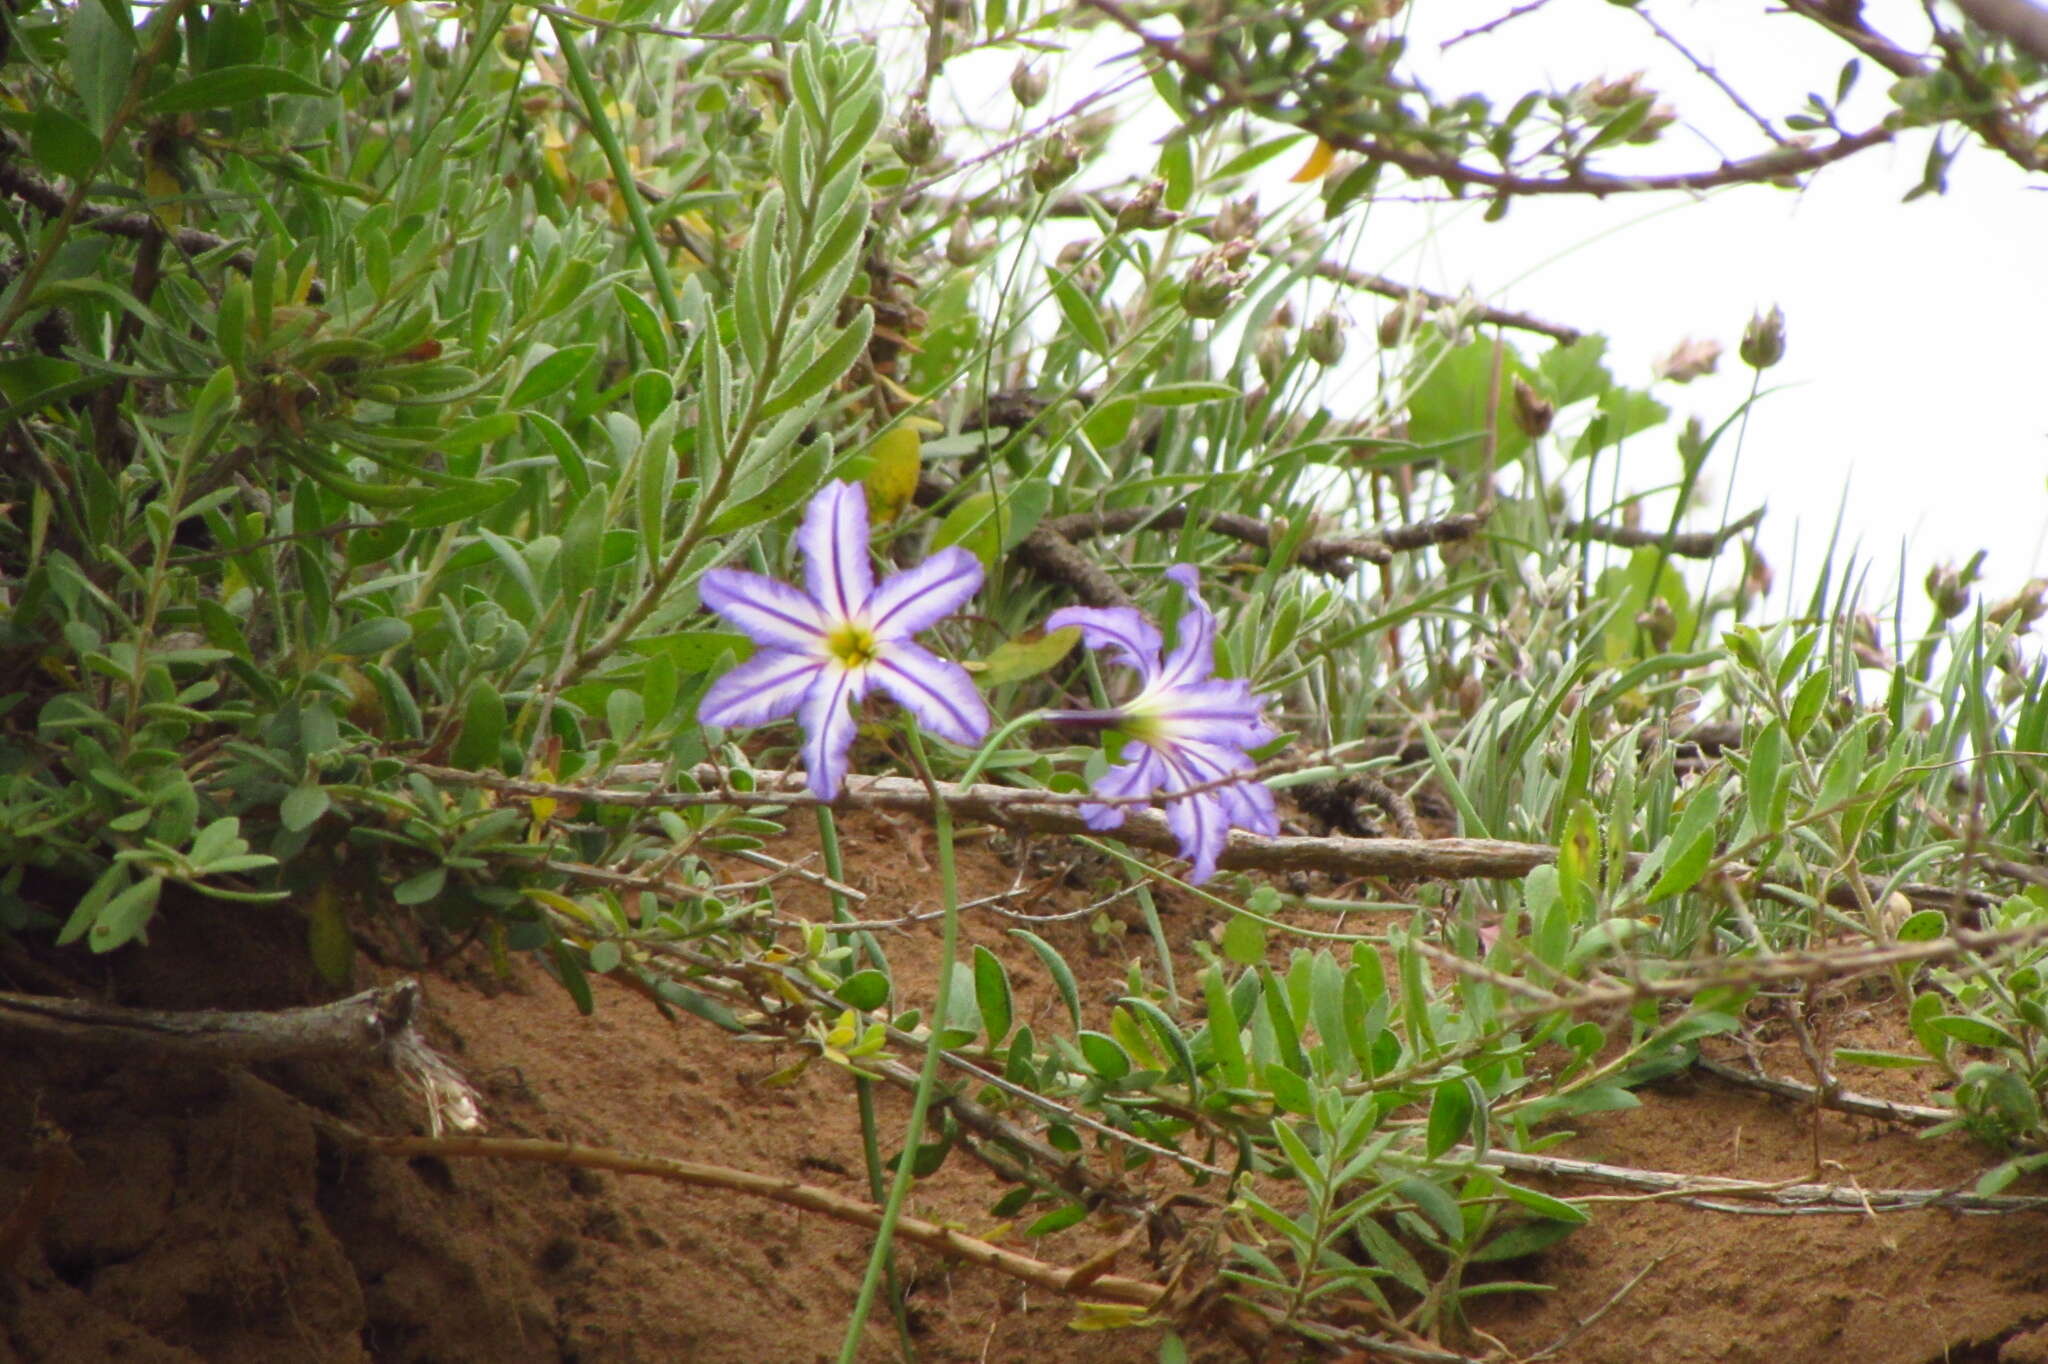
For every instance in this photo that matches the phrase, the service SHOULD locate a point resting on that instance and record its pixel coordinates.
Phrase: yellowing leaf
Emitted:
(1016, 659)
(1317, 165)
(898, 455)
(164, 191)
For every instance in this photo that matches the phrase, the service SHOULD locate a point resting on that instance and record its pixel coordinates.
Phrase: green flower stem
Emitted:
(927, 1077)
(622, 170)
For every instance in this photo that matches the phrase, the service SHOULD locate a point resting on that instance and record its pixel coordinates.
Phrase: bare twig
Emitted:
(1701, 544)
(1331, 554)
(1777, 164)
(809, 1197)
(1044, 812)
(1841, 1100)
(1837, 1198)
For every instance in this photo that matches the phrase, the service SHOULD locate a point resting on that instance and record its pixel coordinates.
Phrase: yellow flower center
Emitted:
(853, 644)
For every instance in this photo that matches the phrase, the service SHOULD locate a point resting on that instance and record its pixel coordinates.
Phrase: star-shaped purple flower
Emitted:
(822, 648)
(1189, 729)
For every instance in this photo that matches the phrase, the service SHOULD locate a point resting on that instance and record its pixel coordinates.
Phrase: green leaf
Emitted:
(1059, 1219)
(827, 368)
(1167, 1030)
(645, 324)
(62, 143)
(791, 486)
(1766, 769)
(125, 916)
(303, 807)
(1458, 395)
(483, 728)
(864, 990)
(1925, 926)
(1079, 311)
(551, 373)
(1103, 1055)
(372, 636)
(1056, 967)
(1524, 1238)
(1016, 659)
(992, 994)
(1224, 1042)
(1879, 1060)
(461, 502)
(1244, 940)
(101, 43)
(228, 86)
(1975, 1031)
(1450, 1116)
(1185, 394)
(1690, 847)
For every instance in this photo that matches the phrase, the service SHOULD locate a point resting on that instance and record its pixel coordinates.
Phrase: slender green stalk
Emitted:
(622, 170)
(920, 1103)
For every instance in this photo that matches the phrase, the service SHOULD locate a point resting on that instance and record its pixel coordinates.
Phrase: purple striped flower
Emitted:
(1187, 729)
(821, 648)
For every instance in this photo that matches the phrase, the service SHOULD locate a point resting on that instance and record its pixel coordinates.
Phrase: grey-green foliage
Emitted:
(392, 456)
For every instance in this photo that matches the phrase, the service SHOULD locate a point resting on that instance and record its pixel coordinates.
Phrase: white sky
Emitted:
(1916, 374)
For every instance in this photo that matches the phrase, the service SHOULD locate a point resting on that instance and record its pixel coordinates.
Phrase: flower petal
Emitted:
(940, 694)
(1217, 711)
(1124, 781)
(829, 727)
(766, 687)
(834, 541)
(772, 614)
(1194, 652)
(1200, 829)
(1119, 629)
(923, 595)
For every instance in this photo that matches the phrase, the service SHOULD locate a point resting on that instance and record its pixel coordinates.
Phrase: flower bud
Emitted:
(1146, 210)
(1401, 322)
(1237, 218)
(1212, 283)
(1324, 341)
(1659, 623)
(436, 54)
(1533, 411)
(1058, 158)
(516, 41)
(916, 141)
(2028, 606)
(1763, 340)
(1688, 360)
(1027, 84)
(1271, 354)
(1948, 587)
(382, 72)
(964, 249)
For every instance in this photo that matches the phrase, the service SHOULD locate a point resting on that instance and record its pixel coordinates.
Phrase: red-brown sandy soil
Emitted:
(209, 1220)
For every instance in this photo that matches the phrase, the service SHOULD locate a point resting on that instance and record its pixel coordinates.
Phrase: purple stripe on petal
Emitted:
(1124, 781)
(1194, 653)
(834, 541)
(1197, 824)
(923, 595)
(772, 614)
(829, 728)
(940, 694)
(1119, 629)
(766, 687)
